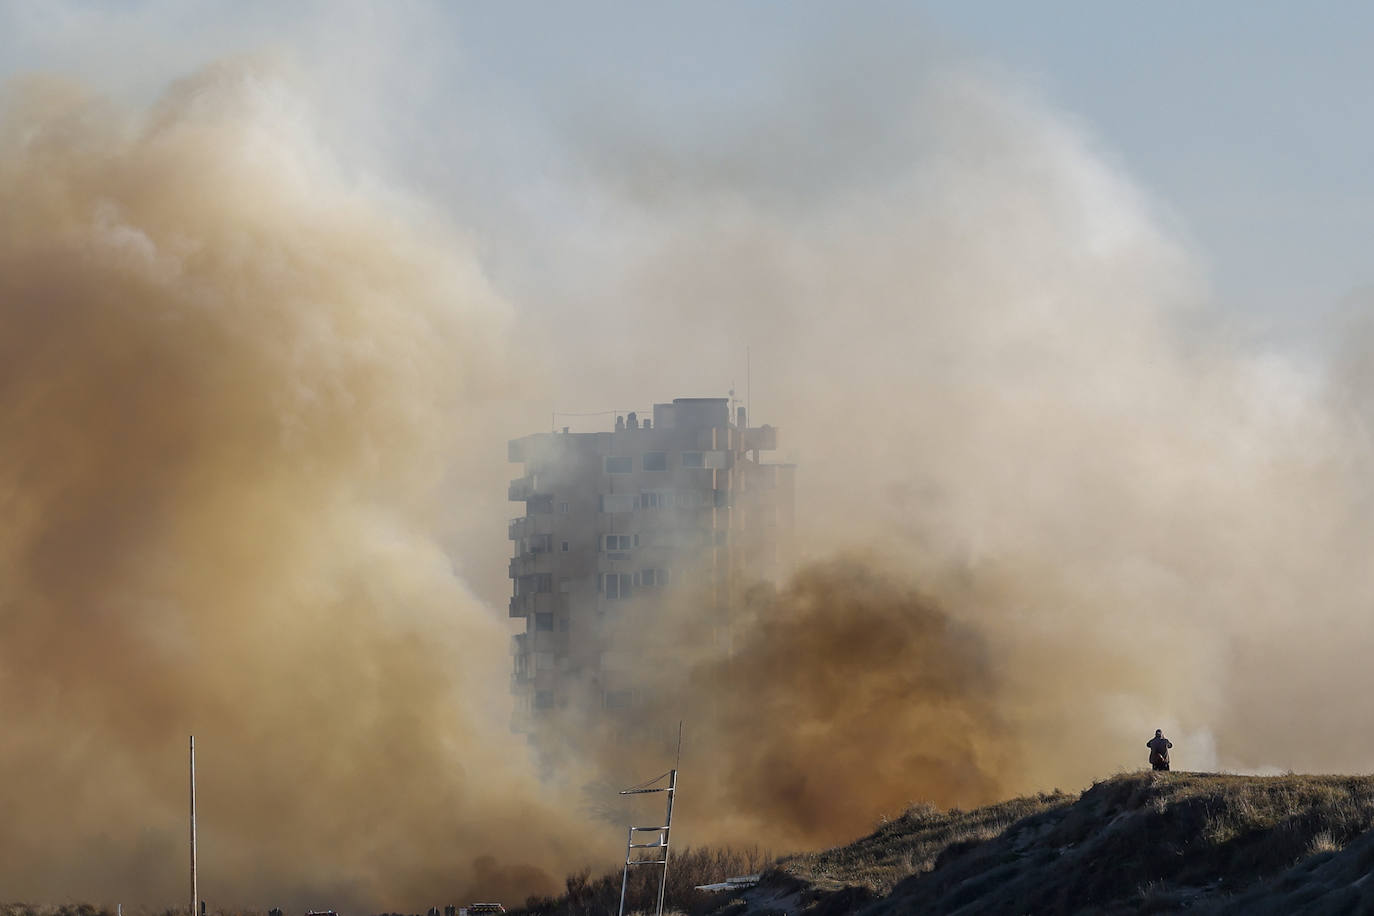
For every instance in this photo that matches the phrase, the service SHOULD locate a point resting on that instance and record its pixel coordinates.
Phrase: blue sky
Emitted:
(1247, 124)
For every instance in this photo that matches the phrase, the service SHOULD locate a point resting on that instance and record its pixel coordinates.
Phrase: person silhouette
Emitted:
(1159, 750)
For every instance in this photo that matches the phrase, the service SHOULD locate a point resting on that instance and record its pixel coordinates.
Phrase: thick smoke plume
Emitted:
(1002, 377)
(845, 670)
(247, 396)
(232, 382)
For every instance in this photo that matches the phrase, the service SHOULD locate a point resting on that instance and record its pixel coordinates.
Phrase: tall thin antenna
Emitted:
(677, 761)
(195, 887)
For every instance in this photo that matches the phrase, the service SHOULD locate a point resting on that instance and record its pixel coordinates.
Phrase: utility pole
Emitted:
(195, 887)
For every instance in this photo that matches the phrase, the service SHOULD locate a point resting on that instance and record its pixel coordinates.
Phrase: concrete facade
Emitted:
(678, 511)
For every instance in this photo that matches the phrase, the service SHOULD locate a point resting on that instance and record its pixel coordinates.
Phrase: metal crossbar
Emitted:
(661, 843)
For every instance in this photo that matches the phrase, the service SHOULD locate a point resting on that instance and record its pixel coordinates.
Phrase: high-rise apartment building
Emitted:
(623, 528)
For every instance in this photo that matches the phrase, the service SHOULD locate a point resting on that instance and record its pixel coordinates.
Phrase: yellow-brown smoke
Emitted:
(232, 381)
(246, 397)
(846, 670)
(1002, 380)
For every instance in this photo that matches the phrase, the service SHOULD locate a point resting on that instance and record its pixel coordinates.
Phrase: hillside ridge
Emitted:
(1133, 843)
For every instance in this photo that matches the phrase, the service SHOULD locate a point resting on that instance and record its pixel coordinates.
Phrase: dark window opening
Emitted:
(655, 461)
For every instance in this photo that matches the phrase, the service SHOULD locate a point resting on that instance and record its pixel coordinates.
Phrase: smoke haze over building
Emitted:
(256, 394)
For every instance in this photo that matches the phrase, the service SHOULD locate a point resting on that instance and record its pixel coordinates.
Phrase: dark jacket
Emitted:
(1159, 747)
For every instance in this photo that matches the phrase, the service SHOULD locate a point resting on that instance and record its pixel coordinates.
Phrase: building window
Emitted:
(540, 543)
(693, 460)
(620, 542)
(617, 586)
(543, 699)
(652, 578)
(543, 621)
(540, 583)
(656, 499)
(565, 546)
(655, 461)
(562, 508)
(619, 465)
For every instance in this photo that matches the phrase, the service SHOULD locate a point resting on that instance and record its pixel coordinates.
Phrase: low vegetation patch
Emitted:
(586, 895)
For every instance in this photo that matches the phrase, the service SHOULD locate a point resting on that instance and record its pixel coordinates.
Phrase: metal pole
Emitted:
(195, 887)
(625, 879)
(667, 838)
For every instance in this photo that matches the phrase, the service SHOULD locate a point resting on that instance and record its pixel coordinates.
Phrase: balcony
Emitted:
(531, 562)
(528, 526)
(522, 605)
(522, 488)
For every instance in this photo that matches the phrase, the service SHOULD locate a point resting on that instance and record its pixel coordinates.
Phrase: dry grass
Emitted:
(910, 844)
(1143, 843)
